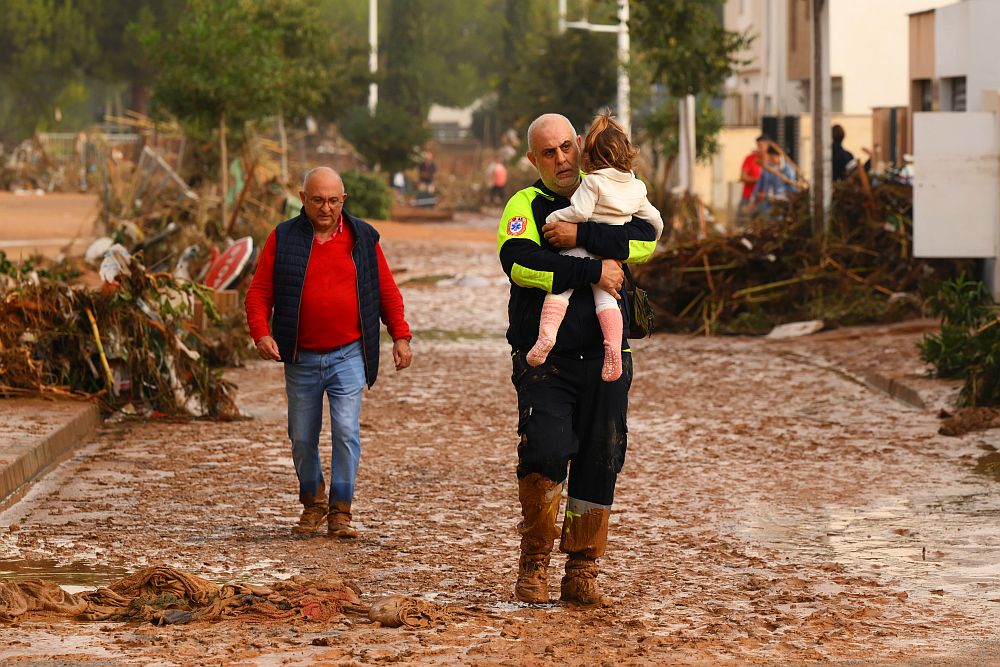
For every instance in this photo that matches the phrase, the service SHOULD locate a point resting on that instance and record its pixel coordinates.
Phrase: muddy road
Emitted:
(772, 510)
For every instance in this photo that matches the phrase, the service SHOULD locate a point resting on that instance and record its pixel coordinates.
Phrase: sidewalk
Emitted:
(36, 433)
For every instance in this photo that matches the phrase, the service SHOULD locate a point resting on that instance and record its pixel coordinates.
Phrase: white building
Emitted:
(955, 97)
(954, 56)
(868, 56)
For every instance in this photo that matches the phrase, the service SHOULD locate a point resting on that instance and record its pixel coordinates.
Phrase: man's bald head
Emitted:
(325, 175)
(545, 121)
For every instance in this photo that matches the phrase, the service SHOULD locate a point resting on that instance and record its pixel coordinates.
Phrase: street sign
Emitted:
(226, 271)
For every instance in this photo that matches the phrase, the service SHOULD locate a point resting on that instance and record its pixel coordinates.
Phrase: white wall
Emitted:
(951, 41)
(955, 203)
(984, 51)
(869, 48)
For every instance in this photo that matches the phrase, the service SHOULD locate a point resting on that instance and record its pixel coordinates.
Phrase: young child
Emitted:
(611, 194)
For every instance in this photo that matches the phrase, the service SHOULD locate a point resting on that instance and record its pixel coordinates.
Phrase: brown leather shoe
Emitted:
(313, 514)
(339, 522)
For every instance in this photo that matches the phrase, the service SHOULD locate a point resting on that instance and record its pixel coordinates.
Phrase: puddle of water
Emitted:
(76, 575)
(939, 540)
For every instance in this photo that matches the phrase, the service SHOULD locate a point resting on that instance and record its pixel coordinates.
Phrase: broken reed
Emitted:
(130, 344)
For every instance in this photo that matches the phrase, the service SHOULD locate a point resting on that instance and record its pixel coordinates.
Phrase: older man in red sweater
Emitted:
(321, 287)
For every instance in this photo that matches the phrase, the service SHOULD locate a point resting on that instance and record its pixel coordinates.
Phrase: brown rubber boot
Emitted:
(584, 538)
(313, 514)
(539, 498)
(339, 521)
(579, 585)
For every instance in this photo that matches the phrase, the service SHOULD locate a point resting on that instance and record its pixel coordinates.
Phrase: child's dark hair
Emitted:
(607, 145)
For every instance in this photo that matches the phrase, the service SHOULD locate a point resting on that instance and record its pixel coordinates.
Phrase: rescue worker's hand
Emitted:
(267, 348)
(611, 277)
(560, 234)
(401, 353)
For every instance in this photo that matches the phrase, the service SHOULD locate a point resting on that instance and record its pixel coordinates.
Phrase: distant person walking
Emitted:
(426, 172)
(314, 304)
(496, 174)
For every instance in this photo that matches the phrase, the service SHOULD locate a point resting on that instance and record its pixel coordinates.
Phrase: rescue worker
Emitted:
(568, 416)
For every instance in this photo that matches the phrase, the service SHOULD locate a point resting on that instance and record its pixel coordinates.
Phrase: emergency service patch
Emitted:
(517, 225)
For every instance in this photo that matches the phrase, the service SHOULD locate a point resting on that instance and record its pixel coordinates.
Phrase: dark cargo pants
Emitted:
(569, 419)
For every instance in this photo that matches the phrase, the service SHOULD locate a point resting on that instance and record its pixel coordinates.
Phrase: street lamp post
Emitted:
(372, 54)
(624, 106)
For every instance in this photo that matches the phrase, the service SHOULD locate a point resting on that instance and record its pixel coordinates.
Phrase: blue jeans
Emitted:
(341, 376)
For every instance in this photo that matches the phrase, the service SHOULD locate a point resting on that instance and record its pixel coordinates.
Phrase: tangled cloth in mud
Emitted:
(17, 599)
(163, 596)
(397, 610)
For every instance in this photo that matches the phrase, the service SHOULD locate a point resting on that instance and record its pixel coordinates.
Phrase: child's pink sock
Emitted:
(611, 327)
(553, 312)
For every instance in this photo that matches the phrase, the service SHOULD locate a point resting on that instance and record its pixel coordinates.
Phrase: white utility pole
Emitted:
(372, 54)
(624, 105)
(820, 84)
(686, 143)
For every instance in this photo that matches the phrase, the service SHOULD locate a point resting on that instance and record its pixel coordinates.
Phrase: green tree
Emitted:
(389, 139)
(230, 62)
(681, 48)
(118, 27)
(45, 44)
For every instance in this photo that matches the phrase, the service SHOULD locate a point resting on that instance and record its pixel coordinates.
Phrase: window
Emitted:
(837, 94)
(923, 95)
(958, 93)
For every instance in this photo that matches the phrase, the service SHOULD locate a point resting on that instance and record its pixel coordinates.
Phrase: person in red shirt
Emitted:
(749, 173)
(321, 286)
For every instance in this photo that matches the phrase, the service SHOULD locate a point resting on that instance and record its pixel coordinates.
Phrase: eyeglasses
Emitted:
(332, 201)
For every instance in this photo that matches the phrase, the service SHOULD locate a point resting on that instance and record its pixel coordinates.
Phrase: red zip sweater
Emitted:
(328, 315)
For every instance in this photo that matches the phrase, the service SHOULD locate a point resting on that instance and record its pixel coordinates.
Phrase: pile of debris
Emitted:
(130, 344)
(167, 596)
(143, 321)
(776, 270)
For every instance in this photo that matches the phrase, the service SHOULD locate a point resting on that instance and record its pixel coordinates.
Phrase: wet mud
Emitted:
(770, 511)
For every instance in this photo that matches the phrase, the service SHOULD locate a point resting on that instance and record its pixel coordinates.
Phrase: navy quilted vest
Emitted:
(293, 243)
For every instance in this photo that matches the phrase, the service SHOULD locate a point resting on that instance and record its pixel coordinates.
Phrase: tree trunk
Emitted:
(224, 156)
(283, 136)
(140, 97)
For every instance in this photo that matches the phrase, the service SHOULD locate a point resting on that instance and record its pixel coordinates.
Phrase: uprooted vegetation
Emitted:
(132, 347)
(776, 270)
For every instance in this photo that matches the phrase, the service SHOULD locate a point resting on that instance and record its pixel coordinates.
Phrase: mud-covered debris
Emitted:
(777, 270)
(168, 596)
(398, 610)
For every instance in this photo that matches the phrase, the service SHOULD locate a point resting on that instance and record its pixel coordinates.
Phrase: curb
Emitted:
(25, 462)
(894, 388)
(867, 378)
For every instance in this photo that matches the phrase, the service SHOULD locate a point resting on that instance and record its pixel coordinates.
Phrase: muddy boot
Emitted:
(584, 538)
(339, 521)
(313, 514)
(539, 506)
(579, 585)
